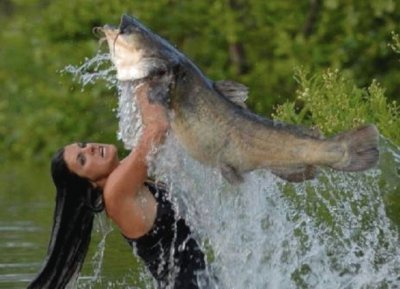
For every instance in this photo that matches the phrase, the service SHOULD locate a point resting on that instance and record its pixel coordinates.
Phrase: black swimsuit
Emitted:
(169, 251)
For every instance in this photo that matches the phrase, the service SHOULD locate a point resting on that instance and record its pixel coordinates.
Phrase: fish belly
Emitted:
(220, 133)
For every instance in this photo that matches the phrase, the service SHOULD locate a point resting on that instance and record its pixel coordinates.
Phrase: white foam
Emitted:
(329, 233)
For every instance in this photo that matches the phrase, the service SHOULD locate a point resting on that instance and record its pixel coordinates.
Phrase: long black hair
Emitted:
(77, 201)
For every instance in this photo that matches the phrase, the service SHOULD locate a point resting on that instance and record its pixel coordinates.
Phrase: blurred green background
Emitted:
(258, 43)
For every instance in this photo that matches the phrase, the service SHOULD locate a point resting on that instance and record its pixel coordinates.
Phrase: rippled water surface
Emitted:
(26, 210)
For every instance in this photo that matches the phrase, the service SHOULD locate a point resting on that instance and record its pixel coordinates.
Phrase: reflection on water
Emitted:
(17, 249)
(23, 227)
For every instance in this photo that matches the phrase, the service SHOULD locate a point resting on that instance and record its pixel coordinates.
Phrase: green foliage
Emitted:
(395, 44)
(255, 42)
(333, 103)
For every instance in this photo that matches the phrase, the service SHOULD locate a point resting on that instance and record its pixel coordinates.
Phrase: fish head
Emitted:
(137, 52)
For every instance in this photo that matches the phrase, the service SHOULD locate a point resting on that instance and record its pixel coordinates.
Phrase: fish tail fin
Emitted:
(362, 148)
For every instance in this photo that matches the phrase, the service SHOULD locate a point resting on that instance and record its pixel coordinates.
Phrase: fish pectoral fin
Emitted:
(296, 174)
(231, 174)
(234, 91)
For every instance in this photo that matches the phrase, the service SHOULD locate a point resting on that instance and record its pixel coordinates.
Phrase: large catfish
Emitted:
(212, 123)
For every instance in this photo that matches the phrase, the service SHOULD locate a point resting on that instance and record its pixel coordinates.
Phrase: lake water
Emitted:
(26, 210)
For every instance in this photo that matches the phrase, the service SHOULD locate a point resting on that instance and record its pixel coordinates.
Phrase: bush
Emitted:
(333, 103)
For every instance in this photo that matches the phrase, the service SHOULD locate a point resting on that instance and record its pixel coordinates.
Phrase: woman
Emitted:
(89, 178)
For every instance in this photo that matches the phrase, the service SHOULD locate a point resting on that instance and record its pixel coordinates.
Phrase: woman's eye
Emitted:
(82, 160)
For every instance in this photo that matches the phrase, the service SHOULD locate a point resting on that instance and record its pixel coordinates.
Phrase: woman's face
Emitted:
(93, 161)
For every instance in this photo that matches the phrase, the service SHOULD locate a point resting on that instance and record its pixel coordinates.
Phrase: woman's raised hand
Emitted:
(154, 115)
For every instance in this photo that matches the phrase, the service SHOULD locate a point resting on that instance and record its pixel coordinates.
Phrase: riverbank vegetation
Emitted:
(348, 52)
(333, 103)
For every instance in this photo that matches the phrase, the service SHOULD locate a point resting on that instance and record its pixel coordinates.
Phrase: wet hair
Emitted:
(77, 201)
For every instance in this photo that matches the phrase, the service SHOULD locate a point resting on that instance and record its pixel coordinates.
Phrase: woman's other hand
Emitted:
(154, 115)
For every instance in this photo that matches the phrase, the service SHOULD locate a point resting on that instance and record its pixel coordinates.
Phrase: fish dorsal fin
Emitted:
(234, 91)
(313, 132)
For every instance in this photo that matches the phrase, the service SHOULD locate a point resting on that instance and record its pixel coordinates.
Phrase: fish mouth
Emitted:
(127, 25)
(134, 50)
(107, 30)
(108, 33)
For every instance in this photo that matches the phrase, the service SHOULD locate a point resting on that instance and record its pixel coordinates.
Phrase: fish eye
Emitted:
(161, 72)
(124, 30)
(127, 30)
(81, 144)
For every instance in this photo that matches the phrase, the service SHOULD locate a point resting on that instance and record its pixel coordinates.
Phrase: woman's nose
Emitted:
(90, 148)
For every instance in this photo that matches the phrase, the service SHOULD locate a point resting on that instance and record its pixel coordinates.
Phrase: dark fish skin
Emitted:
(211, 121)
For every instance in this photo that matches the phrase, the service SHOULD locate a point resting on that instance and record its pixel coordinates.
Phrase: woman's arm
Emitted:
(125, 202)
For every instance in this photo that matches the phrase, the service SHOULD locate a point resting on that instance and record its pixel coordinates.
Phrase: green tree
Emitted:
(255, 42)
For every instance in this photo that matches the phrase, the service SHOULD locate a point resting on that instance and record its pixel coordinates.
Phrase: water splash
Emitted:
(333, 232)
(130, 120)
(103, 228)
(98, 68)
(329, 233)
(92, 70)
